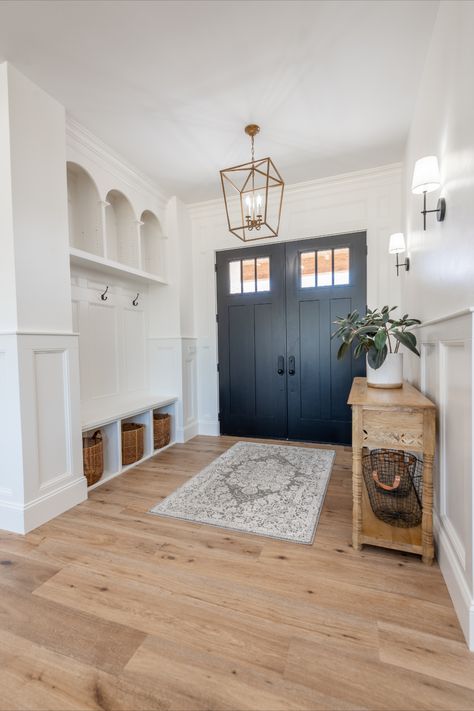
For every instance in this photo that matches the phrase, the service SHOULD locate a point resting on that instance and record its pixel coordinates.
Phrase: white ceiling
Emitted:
(170, 85)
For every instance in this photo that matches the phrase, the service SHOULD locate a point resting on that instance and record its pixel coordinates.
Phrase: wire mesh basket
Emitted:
(394, 481)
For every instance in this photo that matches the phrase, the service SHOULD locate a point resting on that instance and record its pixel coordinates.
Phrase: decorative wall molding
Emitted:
(40, 433)
(343, 182)
(112, 342)
(445, 375)
(448, 317)
(38, 333)
(173, 369)
(22, 518)
(107, 158)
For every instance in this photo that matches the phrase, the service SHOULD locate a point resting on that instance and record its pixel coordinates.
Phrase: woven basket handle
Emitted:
(97, 435)
(386, 487)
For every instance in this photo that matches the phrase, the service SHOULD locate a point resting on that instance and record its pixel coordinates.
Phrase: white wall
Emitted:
(38, 188)
(441, 277)
(367, 200)
(439, 288)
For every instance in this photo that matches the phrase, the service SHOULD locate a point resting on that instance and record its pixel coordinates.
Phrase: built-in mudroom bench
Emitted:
(132, 362)
(108, 416)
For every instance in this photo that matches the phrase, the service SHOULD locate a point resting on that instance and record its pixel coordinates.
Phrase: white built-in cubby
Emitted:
(108, 414)
(85, 211)
(107, 235)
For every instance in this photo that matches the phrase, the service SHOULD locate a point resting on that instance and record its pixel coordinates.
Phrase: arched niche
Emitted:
(84, 210)
(152, 247)
(121, 230)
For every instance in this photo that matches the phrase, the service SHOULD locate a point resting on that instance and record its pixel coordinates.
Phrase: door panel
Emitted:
(278, 371)
(317, 392)
(252, 338)
(310, 346)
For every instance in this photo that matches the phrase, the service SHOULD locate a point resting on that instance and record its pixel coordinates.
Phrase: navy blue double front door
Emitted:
(278, 372)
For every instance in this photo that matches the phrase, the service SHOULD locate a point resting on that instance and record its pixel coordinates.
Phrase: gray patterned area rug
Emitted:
(267, 489)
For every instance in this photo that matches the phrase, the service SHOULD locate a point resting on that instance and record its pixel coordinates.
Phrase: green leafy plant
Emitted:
(375, 334)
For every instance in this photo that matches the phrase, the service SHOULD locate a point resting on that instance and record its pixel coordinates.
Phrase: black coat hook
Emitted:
(135, 300)
(103, 296)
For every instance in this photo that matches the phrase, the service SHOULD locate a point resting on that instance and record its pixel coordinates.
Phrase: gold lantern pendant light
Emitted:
(253, 196)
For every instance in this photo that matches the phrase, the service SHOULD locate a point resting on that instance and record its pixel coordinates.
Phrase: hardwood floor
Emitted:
(108, 607)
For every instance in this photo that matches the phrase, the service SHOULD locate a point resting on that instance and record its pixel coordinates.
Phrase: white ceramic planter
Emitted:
(389, 375)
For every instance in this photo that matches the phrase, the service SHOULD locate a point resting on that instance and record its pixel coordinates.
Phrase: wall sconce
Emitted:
(426, 178)
(397, 246)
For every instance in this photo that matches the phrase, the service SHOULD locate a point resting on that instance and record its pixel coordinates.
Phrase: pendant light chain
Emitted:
(252, 138)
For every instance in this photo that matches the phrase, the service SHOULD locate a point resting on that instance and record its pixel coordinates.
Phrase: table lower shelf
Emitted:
(378, 533)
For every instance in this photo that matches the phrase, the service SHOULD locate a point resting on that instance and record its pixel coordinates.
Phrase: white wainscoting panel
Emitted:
(134, 348)
(446, 376)
(98, 347)
(172, 366)
(112, 336)
(11, 487)
(51, 375)
(189, 394)
(44, 474)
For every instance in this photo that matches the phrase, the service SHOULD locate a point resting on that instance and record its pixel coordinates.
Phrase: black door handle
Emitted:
(281, 365)
(291, 365)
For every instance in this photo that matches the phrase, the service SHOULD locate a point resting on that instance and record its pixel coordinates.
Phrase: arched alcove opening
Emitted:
(152, 247)
(85, 217)
(121, 230)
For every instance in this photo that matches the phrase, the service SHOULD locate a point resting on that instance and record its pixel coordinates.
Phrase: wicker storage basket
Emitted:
(161, 430)
(394, 484)
(93, 456)
(132, 442)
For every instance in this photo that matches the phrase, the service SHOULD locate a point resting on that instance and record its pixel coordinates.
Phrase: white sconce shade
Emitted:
(397, 243)
(426, 176)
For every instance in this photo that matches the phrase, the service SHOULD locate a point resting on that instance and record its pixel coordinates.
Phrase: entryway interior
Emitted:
(146, 329)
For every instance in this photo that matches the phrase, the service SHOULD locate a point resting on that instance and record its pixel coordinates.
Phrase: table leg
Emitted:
(427, 520)
(356, 479)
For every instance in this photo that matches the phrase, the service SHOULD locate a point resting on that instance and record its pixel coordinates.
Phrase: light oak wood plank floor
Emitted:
(109, 607)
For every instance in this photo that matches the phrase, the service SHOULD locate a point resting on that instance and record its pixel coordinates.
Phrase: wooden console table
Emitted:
(402, 419)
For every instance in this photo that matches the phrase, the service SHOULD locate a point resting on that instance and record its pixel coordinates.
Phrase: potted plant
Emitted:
(378, 336)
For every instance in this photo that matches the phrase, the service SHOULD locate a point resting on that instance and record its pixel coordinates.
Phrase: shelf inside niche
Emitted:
(106, 266)
(152, 244)
(121, 230)
(84, 211)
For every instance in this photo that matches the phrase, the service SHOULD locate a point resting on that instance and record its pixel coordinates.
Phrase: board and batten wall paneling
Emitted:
(367, 200)
(173, 370)
(134, 348)
(112, 336)
(11, 485)
(51, 372)
(445, 374)
(40, 433)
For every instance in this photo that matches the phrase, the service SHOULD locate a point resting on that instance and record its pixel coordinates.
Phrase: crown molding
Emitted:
(112, 161)
(343, 181)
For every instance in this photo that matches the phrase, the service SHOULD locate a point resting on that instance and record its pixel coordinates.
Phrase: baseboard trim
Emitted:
(209, 428)
(183, 434)
(22, 518)
(455, 581)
